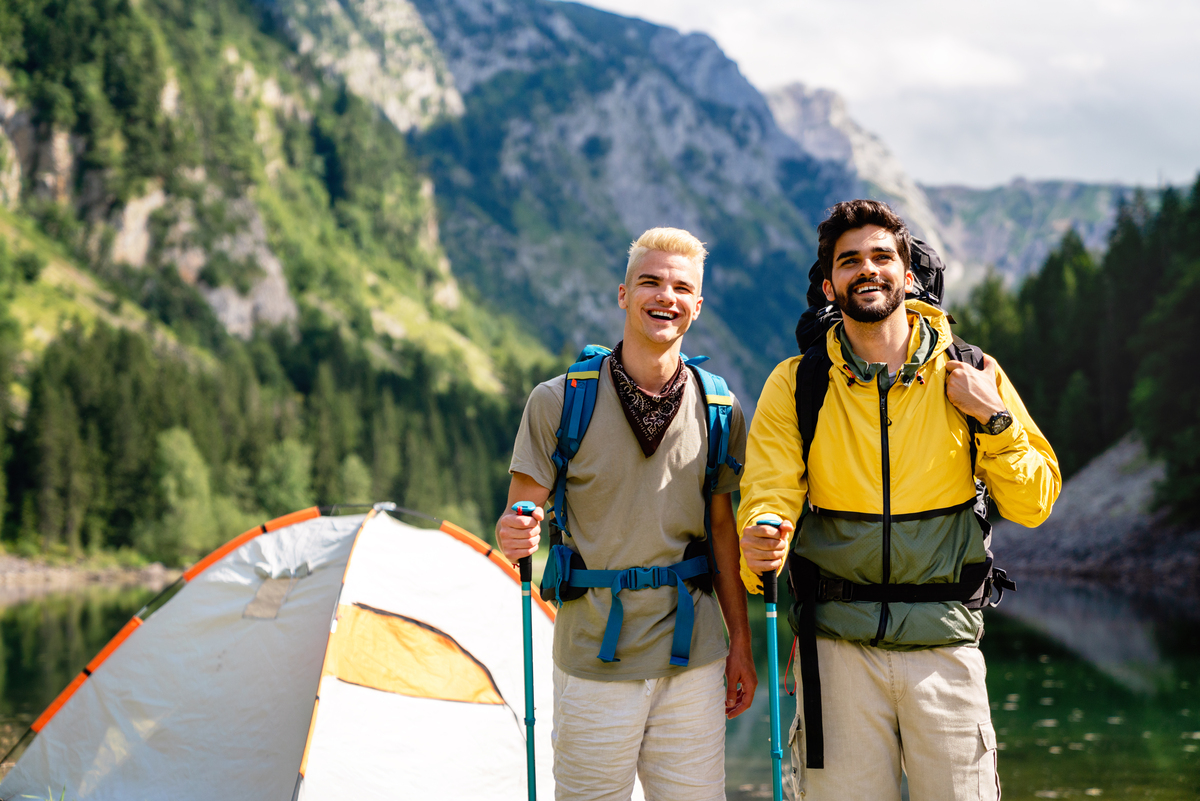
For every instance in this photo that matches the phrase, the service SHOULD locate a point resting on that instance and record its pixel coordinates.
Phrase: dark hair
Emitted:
(851, 214)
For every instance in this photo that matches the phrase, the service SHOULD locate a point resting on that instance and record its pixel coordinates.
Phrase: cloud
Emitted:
(978, 93)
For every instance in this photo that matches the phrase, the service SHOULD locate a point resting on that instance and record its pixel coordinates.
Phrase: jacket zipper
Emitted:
(880, 378)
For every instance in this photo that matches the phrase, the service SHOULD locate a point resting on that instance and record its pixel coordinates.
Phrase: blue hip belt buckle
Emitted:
(647, 578)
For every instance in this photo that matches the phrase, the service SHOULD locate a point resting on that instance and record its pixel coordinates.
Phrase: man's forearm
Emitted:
(731, 594)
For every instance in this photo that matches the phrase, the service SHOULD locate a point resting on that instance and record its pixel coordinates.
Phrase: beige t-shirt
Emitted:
(625, 509)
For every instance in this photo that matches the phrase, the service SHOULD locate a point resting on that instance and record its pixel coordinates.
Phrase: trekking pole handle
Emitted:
(770, 580)
(525, 562)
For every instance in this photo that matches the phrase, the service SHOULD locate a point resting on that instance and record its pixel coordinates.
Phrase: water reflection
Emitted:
(45, 642)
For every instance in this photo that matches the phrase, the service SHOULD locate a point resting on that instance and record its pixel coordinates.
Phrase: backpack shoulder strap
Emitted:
(719, 401)
(812, 382)
(579, 401)
(962, 351)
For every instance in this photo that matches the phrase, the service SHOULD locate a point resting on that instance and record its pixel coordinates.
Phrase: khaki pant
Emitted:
(923, 712)
(669, 731)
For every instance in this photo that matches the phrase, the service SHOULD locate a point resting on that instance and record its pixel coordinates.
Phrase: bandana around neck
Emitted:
(649, 415)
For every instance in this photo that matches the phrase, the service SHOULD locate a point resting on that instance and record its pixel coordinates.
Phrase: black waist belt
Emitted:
(810, 588)
(829, 589)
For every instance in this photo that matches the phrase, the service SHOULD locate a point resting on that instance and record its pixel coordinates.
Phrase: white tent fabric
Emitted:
(203, 702)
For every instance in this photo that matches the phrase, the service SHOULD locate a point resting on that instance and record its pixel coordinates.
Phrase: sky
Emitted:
(979, 92)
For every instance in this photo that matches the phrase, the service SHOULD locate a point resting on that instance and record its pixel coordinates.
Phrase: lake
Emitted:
(1093, 694)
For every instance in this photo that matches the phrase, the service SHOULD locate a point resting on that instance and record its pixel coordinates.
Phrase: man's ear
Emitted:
(910, 281)
(699, 303)
(621, 302)
(827, 288)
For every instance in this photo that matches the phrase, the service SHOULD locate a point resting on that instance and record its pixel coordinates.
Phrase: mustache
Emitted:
(883, 282)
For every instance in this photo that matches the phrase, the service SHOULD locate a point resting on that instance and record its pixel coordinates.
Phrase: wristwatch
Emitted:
(998, 422)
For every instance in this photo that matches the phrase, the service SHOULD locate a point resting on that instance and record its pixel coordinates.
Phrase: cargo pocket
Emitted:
(796, 746)
(989, 778)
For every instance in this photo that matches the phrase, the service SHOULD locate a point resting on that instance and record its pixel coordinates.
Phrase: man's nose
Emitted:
(869, 267)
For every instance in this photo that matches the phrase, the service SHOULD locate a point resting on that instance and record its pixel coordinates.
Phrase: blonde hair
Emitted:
(666, 240)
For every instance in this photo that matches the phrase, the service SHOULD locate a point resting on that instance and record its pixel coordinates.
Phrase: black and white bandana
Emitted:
(649, 415)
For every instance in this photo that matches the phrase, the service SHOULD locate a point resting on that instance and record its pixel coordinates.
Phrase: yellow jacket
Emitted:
(929, 469)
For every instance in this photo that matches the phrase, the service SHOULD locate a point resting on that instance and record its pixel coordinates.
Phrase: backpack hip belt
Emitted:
(561, 573)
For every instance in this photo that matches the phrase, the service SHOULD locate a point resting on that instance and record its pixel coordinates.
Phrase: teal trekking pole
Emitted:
(526, 567)
(770, 584)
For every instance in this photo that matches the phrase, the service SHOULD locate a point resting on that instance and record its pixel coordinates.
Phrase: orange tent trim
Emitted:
(467, 538)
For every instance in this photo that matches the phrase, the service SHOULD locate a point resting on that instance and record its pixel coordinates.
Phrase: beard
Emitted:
(851, 307)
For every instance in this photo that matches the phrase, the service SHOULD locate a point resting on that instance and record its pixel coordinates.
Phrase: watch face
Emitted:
(998, 422)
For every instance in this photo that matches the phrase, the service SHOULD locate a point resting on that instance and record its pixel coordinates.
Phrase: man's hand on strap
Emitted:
(973, 392)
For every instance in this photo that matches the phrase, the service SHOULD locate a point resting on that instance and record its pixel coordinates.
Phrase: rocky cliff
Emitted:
(1104, 528)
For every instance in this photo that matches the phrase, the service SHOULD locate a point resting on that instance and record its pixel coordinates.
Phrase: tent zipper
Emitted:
(881, 379)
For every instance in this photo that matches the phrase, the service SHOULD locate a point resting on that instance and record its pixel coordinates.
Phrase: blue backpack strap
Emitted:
(720, 419)
(579, 401)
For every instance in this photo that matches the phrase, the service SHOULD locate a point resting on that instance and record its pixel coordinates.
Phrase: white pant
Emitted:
(669, 731)
(924, 712)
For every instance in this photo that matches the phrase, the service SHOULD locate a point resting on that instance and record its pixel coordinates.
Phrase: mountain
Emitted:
(1011, 228)
(581, 129)
(555, 133)
(1014, 227)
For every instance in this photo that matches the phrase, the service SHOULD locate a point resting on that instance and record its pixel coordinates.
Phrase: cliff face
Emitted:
(381, 49)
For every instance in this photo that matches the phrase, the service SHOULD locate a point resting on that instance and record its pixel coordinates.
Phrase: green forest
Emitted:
(1099, 347)
(160, 438)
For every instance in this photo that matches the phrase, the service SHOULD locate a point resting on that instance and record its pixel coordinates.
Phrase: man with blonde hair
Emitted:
(641, 698)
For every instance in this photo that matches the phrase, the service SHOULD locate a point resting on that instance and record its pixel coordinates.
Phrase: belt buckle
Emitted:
(833, 589)
(645, 578)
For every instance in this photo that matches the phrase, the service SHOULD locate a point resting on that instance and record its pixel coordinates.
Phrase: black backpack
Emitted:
(977, 582)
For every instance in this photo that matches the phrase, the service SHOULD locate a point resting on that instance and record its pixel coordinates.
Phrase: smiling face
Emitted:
(661, 298)
(868, 280)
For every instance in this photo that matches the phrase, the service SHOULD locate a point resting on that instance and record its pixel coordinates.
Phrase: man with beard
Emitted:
(889, 536)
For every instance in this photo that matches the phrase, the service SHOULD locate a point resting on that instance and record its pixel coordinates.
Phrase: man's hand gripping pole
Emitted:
(525, 564)
(770, 584)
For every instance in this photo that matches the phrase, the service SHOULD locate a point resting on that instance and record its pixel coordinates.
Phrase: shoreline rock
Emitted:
(26, 579)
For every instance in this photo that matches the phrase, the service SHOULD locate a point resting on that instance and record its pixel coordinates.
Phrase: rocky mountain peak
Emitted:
(818, 120)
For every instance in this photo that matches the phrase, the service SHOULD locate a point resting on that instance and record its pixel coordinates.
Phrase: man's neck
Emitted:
(885, 341)
(649, 367)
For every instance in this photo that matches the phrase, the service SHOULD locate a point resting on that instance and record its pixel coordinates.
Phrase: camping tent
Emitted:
(318, 657)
